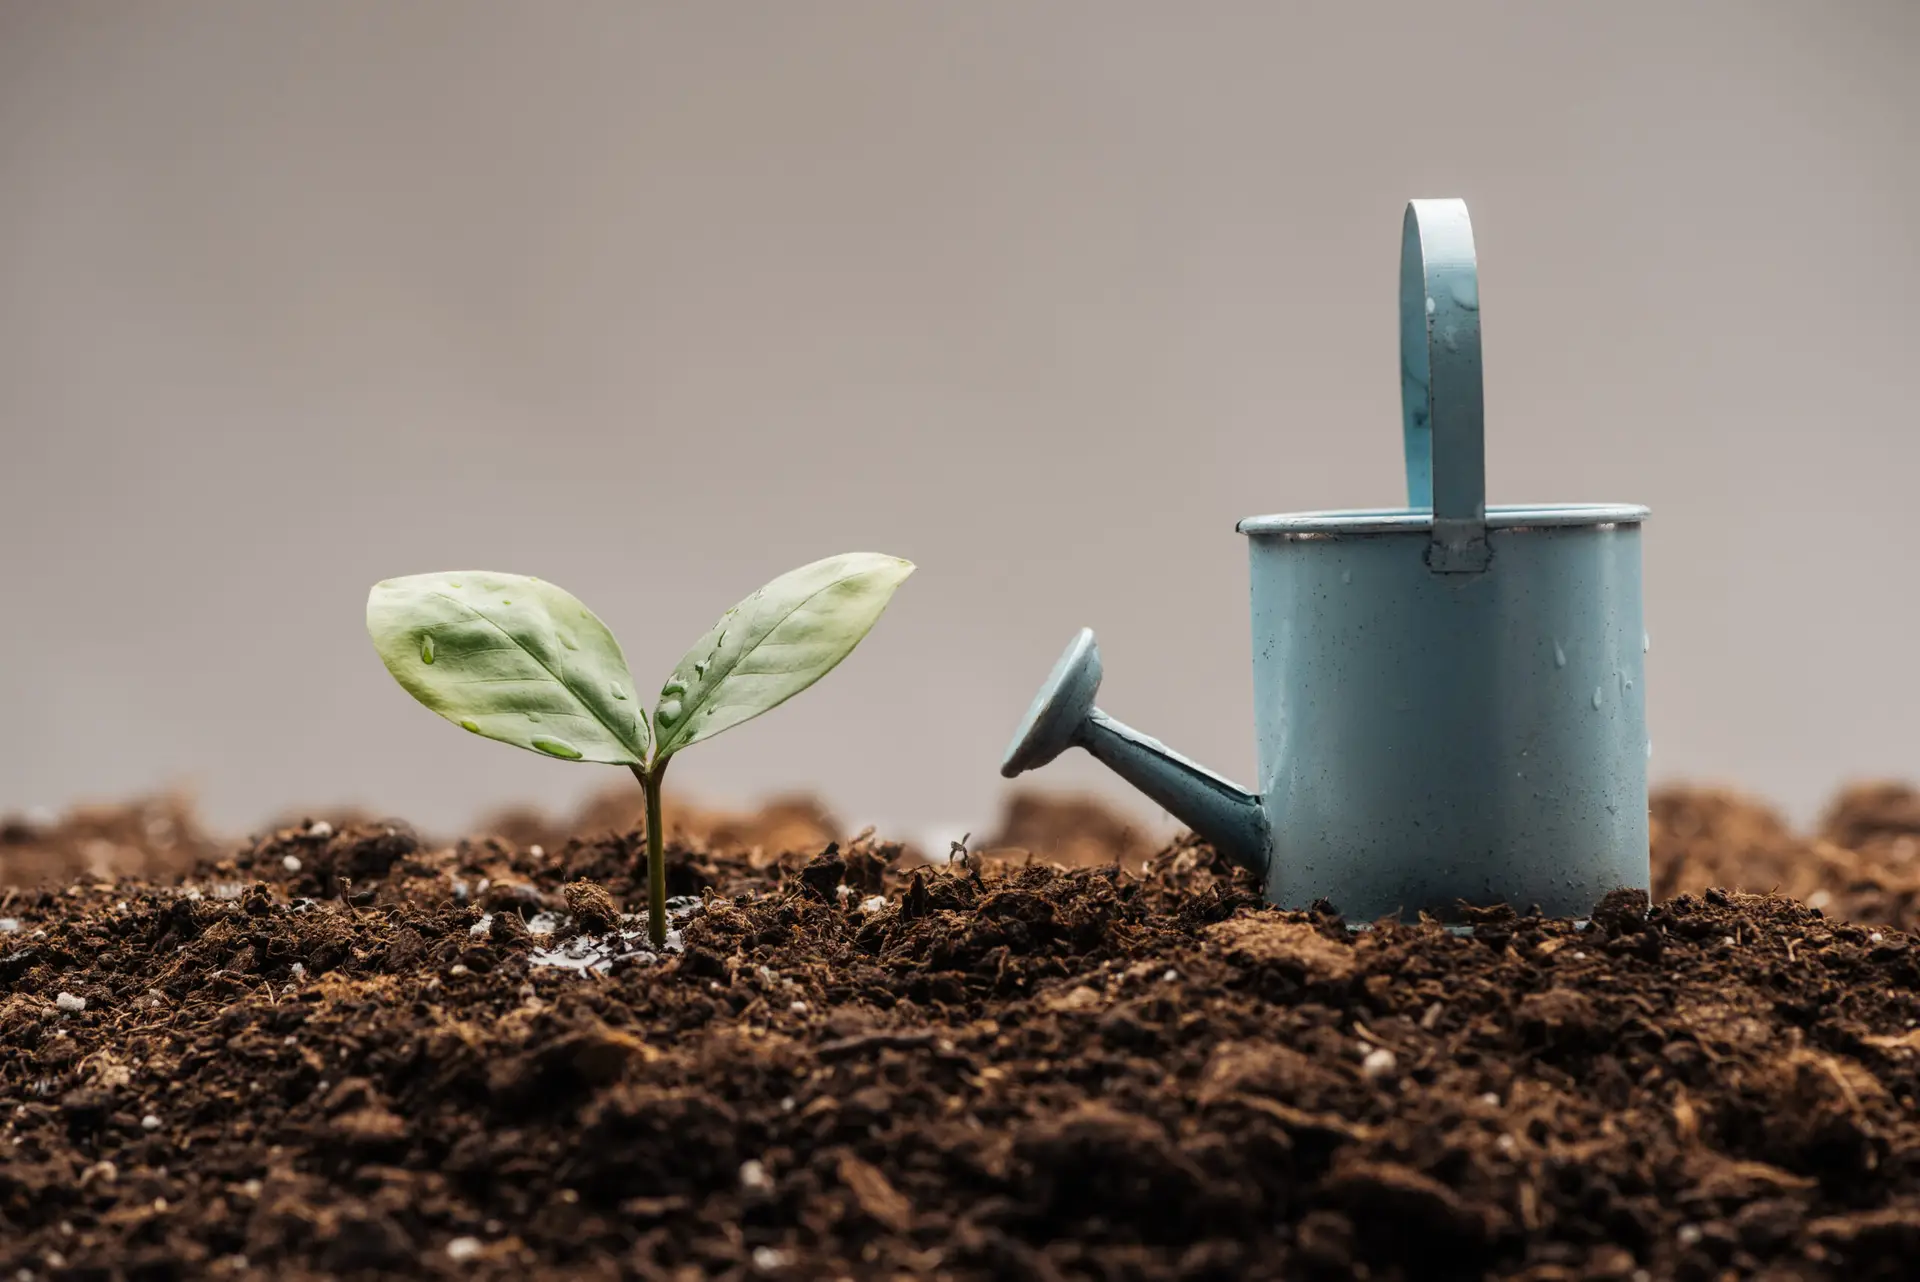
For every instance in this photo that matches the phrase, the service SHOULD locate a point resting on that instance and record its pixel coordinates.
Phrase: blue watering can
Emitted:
(1448, 697)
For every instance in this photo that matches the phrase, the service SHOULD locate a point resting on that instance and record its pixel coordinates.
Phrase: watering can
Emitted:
(1448, 697)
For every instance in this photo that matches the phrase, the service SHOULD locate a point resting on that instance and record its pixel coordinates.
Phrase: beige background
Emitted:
(656, 301)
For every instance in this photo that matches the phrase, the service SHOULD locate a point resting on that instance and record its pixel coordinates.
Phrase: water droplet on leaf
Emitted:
(468, 725)
(669, 711)
(675, 686)
(558, 748)
(700, 668)
(617, 692)
(426, 647)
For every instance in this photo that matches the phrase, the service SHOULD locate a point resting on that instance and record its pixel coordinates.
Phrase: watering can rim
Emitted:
(1396, 520)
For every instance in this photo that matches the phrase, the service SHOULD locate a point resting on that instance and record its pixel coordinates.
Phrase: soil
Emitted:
(327, 1052)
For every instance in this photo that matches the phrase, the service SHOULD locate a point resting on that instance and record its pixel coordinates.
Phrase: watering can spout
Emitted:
(1228, 817)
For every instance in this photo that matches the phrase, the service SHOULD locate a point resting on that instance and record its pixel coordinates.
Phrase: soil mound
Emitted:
(339, 1050)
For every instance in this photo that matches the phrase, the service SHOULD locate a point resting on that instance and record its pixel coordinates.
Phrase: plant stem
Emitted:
(656, 854)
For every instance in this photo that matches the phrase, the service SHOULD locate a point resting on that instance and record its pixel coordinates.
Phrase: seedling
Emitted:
(519, 660)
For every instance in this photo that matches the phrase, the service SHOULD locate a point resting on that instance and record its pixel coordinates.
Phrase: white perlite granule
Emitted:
(754, 1177)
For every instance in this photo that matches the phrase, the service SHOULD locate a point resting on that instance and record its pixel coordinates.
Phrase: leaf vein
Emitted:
(717, 678)
(559, 680)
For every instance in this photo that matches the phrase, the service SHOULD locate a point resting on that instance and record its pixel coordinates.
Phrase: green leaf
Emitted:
(510, 658)
(773, 645)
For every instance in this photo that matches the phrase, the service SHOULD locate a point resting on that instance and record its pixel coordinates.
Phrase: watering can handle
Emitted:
(1440, 394)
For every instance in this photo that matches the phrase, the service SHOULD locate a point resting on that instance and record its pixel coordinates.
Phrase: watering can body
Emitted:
(1449, 699)
(1431, 738)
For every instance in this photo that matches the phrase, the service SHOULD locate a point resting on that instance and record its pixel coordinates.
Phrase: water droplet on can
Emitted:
(1346, 576)
(558, 748)
(1559, 656)
(1430, 305)
(1596, 696)
(1646, 642)
(426, 647)
(1466, 292)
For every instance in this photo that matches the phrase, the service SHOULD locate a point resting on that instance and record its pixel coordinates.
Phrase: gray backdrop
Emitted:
(656, 301)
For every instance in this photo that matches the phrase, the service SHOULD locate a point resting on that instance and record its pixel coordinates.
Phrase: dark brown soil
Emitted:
(300, 1058)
